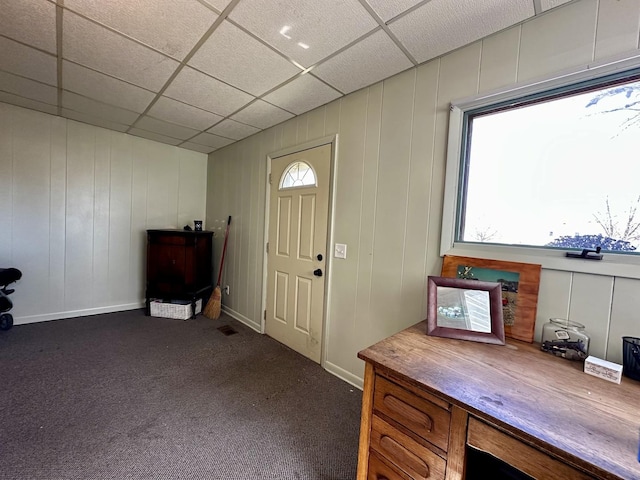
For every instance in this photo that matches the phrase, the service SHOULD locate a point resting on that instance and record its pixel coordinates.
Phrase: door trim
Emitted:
(333, 141)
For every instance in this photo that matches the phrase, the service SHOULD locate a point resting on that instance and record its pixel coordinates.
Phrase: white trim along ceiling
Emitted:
(202, 74)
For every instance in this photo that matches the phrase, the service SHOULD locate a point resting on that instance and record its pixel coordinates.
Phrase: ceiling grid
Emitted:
(202, 74)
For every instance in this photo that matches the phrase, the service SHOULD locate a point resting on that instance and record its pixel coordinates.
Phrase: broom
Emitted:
(212, 309)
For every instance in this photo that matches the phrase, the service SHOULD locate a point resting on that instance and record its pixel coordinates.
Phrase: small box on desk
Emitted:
(178, 309)
(602, 368)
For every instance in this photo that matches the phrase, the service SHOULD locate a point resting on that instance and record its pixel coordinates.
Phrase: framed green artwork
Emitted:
(520, 283)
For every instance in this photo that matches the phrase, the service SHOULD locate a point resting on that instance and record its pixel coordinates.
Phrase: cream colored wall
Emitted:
(389, 187)
(75, 201)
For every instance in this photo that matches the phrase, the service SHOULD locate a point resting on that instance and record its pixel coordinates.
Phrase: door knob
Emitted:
(317, 272)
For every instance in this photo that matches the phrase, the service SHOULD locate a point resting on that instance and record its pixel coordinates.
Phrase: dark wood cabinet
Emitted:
(179, 265)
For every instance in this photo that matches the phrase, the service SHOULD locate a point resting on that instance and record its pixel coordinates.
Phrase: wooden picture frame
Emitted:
(520, 284)
(465, 310)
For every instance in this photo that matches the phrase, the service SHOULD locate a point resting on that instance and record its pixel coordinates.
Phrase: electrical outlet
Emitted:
(226, 289)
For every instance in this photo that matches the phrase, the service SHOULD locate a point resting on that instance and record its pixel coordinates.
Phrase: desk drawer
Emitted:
(379, 470)
(422, 417)
(417, 461)
(519, 455)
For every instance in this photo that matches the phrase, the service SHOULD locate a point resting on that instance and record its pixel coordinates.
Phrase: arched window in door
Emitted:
(298, 174)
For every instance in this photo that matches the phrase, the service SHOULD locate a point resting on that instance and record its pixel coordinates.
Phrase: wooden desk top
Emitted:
(544, 400)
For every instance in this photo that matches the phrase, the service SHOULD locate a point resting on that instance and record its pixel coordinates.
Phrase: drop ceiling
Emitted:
(202, 74)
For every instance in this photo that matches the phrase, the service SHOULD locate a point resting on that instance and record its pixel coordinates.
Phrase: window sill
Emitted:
(615, 265)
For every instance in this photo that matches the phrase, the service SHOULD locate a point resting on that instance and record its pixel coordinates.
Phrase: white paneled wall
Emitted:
(75, 201)
(392, 141)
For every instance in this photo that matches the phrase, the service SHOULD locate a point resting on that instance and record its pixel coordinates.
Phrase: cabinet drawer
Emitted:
(378, 470)
(170, 240)
(417, 414)
(417, 461)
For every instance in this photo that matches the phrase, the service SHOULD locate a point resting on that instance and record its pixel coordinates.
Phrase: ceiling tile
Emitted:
(172, 130)
(177, 112)
(89, 44)
(154, 136)
(28, 88)
(232, 129)
(439, 27)
(169, 26)
(302, 94)
(30, 21)
(211, 140)
(262, 115)
(242, 61)
(348, 73)
(88, 106)
(103, 88)
(549, 4)
(308, 22)
(196, 147)
(27, 62)
(28, 103)
(218, 4)
(195, 88)
(91, 120)
(388, 9)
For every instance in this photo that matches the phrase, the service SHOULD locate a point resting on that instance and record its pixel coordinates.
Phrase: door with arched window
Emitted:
(298, 218)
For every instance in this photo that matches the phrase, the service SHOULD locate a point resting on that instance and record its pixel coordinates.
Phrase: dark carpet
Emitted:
(125, 396)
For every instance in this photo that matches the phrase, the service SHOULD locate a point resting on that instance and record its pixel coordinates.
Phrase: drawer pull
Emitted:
(404, 456)
(412, 414)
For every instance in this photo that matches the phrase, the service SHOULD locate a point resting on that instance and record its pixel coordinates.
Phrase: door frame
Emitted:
(318, 142)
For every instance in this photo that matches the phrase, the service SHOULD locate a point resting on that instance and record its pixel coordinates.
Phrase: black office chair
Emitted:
(7, 277)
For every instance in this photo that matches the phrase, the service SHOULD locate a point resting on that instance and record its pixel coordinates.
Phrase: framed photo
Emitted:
(520, 283)
(465, 310)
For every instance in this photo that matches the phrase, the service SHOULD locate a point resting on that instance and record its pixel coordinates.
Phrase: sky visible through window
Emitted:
(547, 170)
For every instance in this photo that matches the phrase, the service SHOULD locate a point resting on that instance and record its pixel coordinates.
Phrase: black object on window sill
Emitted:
(587, 254)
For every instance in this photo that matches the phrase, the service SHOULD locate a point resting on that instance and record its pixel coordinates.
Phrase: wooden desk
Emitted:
(533, 410)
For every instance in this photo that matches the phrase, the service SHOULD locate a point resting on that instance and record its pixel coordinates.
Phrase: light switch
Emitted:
(340, 250)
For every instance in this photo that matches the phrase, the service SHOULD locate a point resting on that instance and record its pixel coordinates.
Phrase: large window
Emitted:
(553, 167)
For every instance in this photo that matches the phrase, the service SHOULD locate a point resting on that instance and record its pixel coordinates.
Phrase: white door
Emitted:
(298, 216)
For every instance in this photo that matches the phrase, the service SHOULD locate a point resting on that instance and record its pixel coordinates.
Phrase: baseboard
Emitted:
(76, 313)
(242, 319)
(342, 374)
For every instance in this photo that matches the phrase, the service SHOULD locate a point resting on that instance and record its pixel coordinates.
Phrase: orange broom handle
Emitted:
(224, 249)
